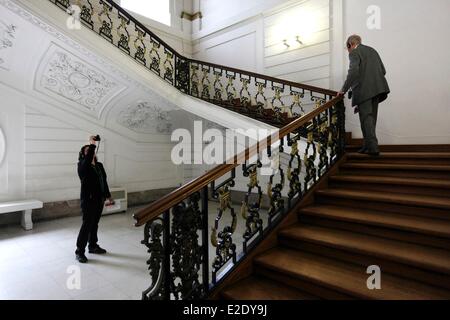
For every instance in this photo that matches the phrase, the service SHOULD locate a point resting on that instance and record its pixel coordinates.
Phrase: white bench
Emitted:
(26, 206)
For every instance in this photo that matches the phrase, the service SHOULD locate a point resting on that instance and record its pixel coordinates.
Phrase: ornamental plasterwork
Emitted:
(105, 65)
(7, 37)
(145, 117)
(69, 77)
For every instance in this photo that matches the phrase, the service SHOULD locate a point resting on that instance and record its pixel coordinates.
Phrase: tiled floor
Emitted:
(38, 264)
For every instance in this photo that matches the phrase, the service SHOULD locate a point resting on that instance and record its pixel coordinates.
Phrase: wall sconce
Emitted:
(286, 44)
(297, 38)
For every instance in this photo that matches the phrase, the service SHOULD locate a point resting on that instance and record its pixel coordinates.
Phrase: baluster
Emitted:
(294, 170)
(309, 159)
(323, 138)
(87, 11)
(140, 46)
(296, 108)
(261, 100)
(182, 74)
(186, 251)
(274, 190)
(206, 84)
(223, 241)
(218, 86)
(230, 88)
(106, 24)
(244, 94)
(155, 58)
(278, 104)
(250, 210)
(194, 81)
(168, 66)
(124, 36)
(156, 240)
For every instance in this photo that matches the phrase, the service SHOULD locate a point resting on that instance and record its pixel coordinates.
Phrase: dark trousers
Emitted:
(92, 211)
(368, 114)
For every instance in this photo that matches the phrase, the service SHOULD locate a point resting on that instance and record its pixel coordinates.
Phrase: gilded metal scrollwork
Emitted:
(274, 190)
(155, 58)
(153, 240)
(140, 47)
(168, 66)
(206, 84)
(186, 253)
(222, 240)
(194, 81)
(250, 210)
(309, 159)
(231, 90)
(294, 169)
(218, 86)
(106, 24)
(244, 94)
(124, 35)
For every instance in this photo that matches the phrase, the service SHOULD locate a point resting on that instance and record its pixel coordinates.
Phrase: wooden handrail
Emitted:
(213, 65)
(165, 203)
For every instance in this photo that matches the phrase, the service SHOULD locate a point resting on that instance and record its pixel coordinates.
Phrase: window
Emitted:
(158, 10)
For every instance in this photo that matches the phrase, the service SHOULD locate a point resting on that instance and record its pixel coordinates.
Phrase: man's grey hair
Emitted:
(354, 40)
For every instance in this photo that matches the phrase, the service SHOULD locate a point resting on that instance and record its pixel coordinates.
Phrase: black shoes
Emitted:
(97, 250)
(81, 258)
(363, 150)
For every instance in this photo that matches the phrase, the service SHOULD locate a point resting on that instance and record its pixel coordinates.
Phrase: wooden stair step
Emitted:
(433, 227)
(343, 277)
(397, 155)
(400, 181)
(396, 198)
(432, 259)
(260, 288)
(395, 167)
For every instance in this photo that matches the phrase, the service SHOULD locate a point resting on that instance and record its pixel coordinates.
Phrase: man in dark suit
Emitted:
(366, 78)
(94, 192)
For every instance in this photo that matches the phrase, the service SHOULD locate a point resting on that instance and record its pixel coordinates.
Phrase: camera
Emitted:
(97, 138)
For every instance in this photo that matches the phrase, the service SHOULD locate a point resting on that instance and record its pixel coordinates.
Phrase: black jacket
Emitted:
(91, 189)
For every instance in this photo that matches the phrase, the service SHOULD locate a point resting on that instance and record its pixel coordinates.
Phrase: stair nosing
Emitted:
(403, 181)
(320, 282)
(379, 198)
(367, 252)
(396, 166)
(308, 211)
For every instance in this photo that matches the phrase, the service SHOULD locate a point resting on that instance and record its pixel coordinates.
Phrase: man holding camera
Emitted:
(94, 192)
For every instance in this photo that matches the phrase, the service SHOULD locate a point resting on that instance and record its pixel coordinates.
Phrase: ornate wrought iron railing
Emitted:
(194, 243)
(265, 98)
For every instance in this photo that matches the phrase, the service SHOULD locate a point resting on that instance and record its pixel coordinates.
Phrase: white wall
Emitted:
(413, 43)
(255, 41)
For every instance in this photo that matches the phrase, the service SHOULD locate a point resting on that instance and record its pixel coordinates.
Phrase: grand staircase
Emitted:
(392, 212)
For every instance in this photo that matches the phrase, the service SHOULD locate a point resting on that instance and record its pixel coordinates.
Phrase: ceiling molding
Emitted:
(8, 33)
(63, 75)
(145, 117)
